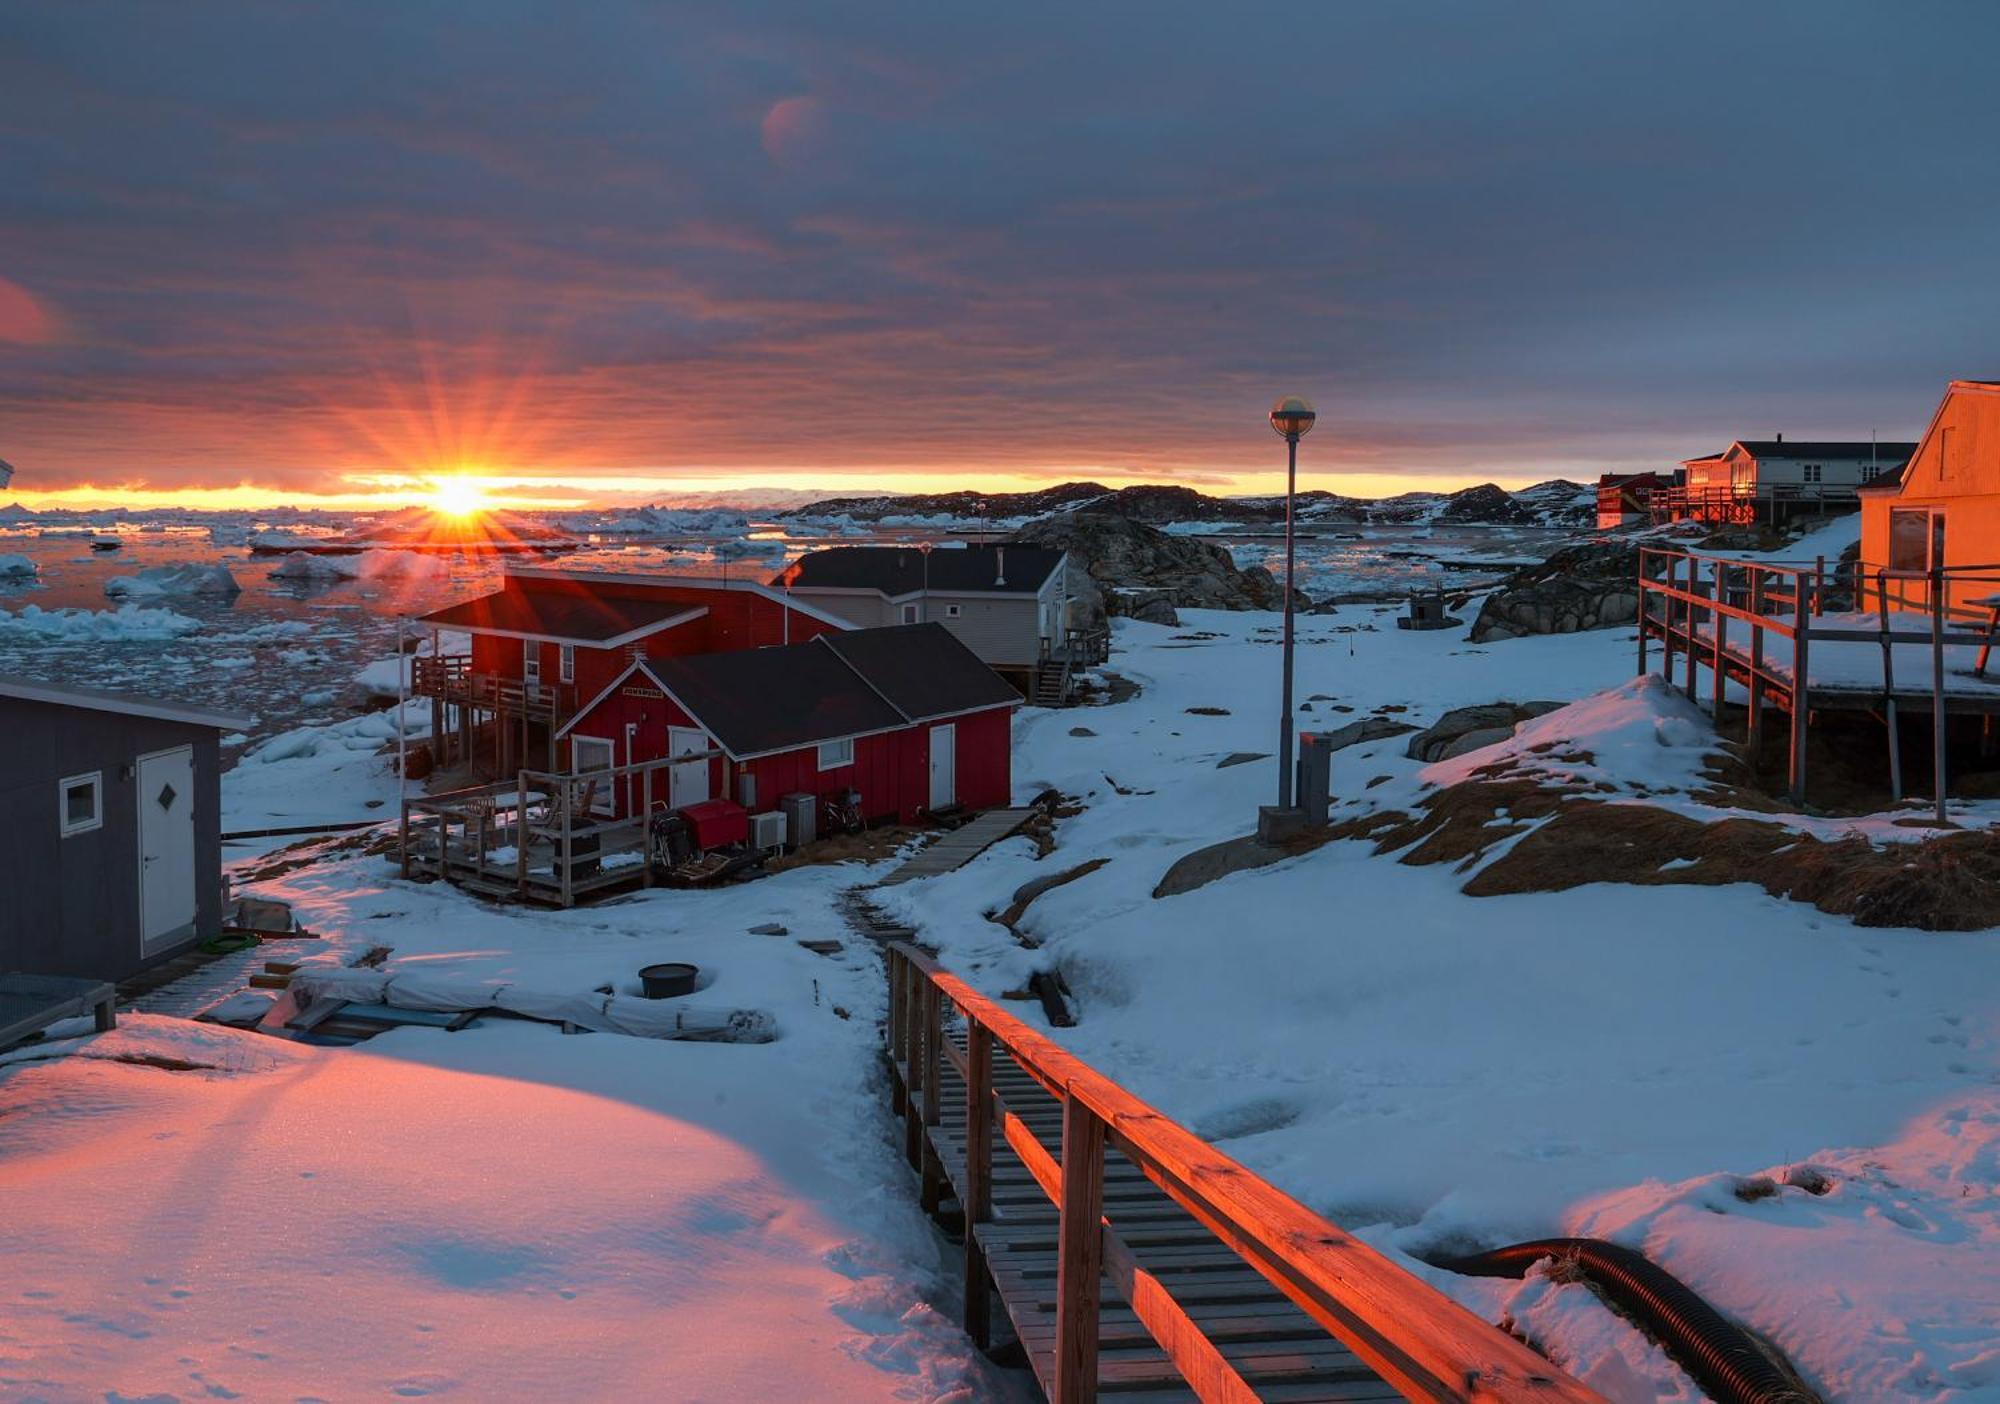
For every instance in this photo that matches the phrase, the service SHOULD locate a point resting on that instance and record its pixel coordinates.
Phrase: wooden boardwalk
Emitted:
(960, 846)
(1279, 1351)
(1133, 1259)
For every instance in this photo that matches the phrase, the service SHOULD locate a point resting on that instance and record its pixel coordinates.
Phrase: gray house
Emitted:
(110, 819)
(1011, 605)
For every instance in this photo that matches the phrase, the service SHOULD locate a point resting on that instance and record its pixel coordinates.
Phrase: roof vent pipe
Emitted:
(999, 565)
(1781, 438)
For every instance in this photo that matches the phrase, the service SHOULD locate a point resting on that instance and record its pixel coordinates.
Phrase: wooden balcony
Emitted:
(452, 679)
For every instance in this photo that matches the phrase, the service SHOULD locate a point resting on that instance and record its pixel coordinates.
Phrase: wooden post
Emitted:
(1819, 586)
(1693, 626)
(1667, 623)
(444, 844)
(1754, 724)
(933, 1108)
(568, 792)
(894, 1031)
(1642, 612)
(1938, 733)
(1079, 1255)
(1721, 637)
(646, 825)
(521, 832)
(1801, 686)
(403, 840)
(978, 1177)
(1890, 722)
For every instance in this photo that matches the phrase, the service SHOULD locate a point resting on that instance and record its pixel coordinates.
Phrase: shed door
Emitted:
(166, 848)
(687, 783)
(591, 753)
(944, 767)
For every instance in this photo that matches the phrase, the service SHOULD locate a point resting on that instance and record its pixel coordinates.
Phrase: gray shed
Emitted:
(110, 829)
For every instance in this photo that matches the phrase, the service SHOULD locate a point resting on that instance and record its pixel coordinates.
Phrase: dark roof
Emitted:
(123, 703)
(923, 669)
(774, 699)
(759, 700)
(1887, 478)
(577, 614)
(899, 570)
(1829, 448)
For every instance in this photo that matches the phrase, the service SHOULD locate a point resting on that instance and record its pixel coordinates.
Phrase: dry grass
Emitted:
(1566, 839)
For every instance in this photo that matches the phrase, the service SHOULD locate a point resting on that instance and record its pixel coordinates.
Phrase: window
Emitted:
(1916, 539)
(566, 662)
(951, 611)
(834, 754)
(1870, 472)
(909, 614)
(81, 801)
(1809, 472)
(531, 661)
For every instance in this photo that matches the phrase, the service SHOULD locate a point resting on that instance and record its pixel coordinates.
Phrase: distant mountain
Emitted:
(1556, 503)
(972, 506)
(15, 512)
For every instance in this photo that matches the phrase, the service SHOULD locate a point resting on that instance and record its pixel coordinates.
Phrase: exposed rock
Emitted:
(1485, 503)
(1493, 720)
(1154, 609)
(1241, 758)
(1593, 586)
(1081, 731)
(1476, 740)
(1135, 565)
(1367, 729)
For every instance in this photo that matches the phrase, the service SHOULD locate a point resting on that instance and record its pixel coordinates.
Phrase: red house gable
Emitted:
(579, 629)
(906, 716)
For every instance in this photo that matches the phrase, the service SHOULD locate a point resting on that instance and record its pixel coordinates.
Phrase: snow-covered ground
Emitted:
(1436, 1071)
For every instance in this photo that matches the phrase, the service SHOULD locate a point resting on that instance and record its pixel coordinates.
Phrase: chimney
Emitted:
(999, 565)
(1781, 438)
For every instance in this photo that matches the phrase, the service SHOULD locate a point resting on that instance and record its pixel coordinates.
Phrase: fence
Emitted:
(1418, 1340)
(1776, 611)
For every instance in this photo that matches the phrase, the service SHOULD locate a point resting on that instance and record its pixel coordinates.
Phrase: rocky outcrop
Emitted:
(1468, 728)
(1485, 503)
(1593, 586)
(1138, 569)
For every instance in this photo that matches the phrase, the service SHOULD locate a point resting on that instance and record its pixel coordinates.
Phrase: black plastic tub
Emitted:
(665, 981)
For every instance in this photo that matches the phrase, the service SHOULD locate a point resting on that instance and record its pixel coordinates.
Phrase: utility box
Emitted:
(746, 791)
(1314, 782)
(801, 813)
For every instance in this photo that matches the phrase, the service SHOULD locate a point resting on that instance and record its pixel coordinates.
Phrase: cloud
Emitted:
(300, 241)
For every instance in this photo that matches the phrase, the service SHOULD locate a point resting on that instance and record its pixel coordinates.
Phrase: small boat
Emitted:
(106, 543)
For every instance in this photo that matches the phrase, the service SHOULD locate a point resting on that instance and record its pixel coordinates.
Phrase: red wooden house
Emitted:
(907, 716)
(550, 638)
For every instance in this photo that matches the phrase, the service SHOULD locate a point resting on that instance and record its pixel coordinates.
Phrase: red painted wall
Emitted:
(735, 619)
(892, 771)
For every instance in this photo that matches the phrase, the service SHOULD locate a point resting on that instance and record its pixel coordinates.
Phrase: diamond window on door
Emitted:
(167, 796)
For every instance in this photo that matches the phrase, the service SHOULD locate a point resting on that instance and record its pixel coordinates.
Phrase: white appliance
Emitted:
(767, 830)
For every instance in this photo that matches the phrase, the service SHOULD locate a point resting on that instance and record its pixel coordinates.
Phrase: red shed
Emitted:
(907, 716)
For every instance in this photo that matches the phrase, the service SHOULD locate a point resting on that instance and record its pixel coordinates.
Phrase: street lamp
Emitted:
(1292, 417)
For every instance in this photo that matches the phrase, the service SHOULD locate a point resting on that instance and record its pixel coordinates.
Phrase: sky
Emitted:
(322, 253)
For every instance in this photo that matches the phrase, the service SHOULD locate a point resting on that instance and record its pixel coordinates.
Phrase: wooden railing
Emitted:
(1693, 603)
(452, 678)
(1424, 1344)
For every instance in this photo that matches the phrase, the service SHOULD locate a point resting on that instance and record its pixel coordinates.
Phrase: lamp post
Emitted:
(1292, 417)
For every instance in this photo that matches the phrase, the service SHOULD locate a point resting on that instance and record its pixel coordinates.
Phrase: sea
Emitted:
(287, 651)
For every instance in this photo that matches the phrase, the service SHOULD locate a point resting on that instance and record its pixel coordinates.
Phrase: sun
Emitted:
(457, 497)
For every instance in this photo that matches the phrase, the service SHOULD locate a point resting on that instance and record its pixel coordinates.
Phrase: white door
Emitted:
(687, 783)
(589, 753)
(166, 848)
(944, 767)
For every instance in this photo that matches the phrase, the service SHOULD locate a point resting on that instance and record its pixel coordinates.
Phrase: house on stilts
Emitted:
(1904, 633)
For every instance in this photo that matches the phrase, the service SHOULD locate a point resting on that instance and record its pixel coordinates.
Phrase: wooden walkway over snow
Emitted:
(960, 846)
(1134, 1259)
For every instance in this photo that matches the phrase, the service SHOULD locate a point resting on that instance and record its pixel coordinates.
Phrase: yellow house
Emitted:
(1943, 510)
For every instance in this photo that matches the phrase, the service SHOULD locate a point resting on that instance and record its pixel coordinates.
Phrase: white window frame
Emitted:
(951, 611)
(1811, 472)
(566, 662)
(95, 780)
(531, 662)
(842, 751)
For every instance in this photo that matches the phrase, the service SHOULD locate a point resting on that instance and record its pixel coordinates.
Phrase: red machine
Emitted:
(717, 823)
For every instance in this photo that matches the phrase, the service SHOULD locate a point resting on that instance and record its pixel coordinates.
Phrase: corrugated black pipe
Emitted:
(1730, 1366)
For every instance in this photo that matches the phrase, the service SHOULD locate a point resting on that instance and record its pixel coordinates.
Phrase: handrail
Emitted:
(1420, 1341)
